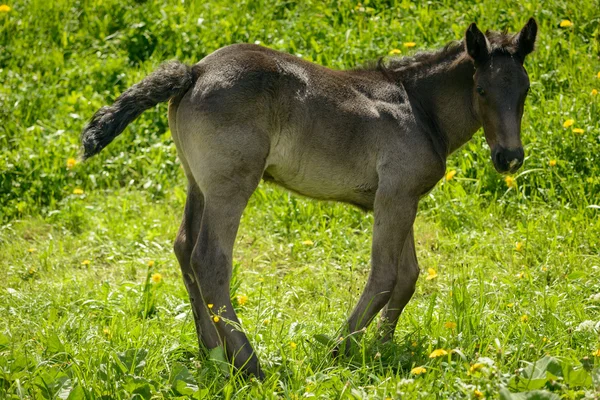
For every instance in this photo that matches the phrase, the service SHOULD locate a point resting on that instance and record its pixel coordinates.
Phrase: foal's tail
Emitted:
(169, 80)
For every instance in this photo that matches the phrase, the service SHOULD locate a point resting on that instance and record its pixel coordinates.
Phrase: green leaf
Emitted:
(505, 394)
(324, 340)
(4, 341)
(217, 355)
(577, 377)
(54, 345)
(183, 382)
(132, 360)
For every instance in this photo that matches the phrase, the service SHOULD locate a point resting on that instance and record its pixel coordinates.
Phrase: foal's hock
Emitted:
(376, 137)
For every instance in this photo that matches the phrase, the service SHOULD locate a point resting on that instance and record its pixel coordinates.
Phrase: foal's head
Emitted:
(501, 85)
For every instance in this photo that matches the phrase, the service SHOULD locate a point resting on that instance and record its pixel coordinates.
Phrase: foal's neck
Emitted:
(444, 95)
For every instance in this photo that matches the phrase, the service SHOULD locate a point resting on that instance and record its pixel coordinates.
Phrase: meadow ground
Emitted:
(91, 297)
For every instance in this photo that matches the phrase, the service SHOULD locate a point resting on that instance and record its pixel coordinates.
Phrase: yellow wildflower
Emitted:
(409, 44)
(414, 344)
(216, 318)
(524, 318)
(596, 353)
(510, 182)
(450, 175)
(394, 52)
(31, 250)
(476, 367)
(431, 274)
(242, 299)
(594, 92)
(450, 325)
(210, 306)
(156, 278)
(77, 191)
(544, 339)
(568, 123)
(565, 23)
(518, 246)
(578, 130)
(438, 353)
(266, 321)
(510, 305)
(478, 394)
(4, 8)
(293, 345)
(552, 163)
(106, 332)
(598, 76)
(418, 370)
(31, 271)
(71, 162)
(151, 263)
(85, 262)
(308, 242)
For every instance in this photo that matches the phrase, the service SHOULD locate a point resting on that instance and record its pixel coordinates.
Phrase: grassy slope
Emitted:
(78, 328)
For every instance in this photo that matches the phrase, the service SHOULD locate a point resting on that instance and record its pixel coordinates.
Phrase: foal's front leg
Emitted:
(395, 213)
(408, 273)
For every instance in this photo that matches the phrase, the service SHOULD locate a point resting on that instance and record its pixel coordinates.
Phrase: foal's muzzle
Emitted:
(507, 160)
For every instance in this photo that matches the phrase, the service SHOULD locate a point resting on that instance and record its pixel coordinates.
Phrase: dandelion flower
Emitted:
(85, 262)
(552, 163)
(156, 278)
(31, 271)
(578, 130)
(431, 274)
(544, 339)
(476, 367)
(293, 345)
(210, 306)
(77, 191)
(308, 242)
(151, 263)
(510, 305)
(216, 318)
(266, 321)
(598, 76)
(4, 8)
(242, 299)
(478, 394)
(450, 325)
(568, 123)
(524, 318)
(71, 162)
(418, 370)
(31, 250)
(510, 182)
(438, 353)
(106, 331)
(393, 52)
(409, 44)
(565, 23)
(594, 92)
(450, 175)
(519, 246)
(596, 353)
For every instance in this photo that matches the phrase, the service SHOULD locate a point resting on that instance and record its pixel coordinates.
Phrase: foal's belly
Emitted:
(324, 174)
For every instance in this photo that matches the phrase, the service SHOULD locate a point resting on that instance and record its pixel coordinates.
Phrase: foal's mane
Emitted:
(421, 63)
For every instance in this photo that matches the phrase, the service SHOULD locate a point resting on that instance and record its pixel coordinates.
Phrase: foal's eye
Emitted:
(480, 90)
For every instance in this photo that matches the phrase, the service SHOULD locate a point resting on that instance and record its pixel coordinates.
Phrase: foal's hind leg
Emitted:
(227, 165)
(408, 273)
(184, 244)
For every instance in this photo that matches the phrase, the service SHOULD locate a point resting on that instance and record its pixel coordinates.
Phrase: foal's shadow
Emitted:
(398, 356)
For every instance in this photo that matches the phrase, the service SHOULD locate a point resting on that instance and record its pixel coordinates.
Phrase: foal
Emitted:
(375, 137)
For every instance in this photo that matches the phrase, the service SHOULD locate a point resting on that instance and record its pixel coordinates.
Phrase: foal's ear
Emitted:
(525, 40)
(476, 44)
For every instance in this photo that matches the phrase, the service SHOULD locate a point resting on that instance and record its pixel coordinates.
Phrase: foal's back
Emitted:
(324, 127)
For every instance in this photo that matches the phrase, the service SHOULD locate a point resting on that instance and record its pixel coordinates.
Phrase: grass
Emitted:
(516, 299)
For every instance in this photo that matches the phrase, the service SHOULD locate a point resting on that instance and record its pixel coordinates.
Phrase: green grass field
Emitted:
(91, 297)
